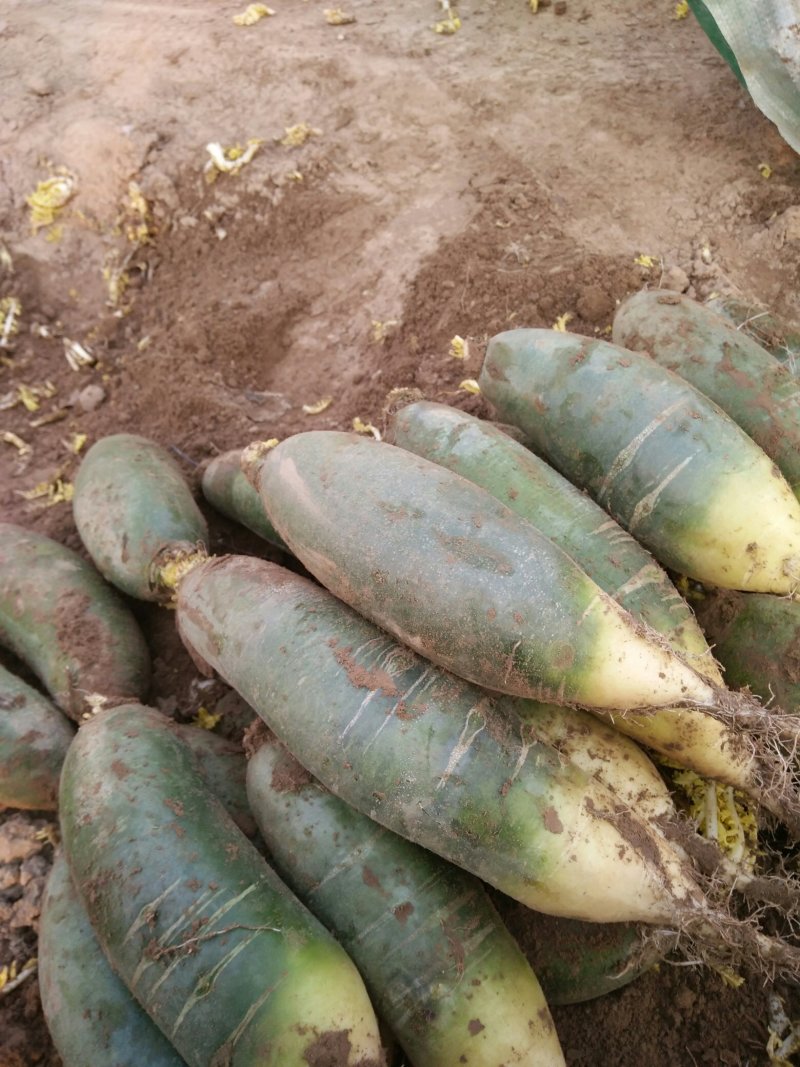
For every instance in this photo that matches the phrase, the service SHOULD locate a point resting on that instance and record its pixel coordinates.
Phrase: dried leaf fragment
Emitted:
(294, 136)
(76, 355)
(560, 325)
(318, 407)
(76, 442)
(252, 14)
(49, 197)
(459, 348)
(533, 5)
(10, 312)
(21, 446)
(681, 9)
(334, 16)
(206, 719)
(366, 427)
(381, 330)
(469, 385)
(229, 160)
(55, 491)
(765, 170)
(28, 397)
(448, 26)
(643, 260)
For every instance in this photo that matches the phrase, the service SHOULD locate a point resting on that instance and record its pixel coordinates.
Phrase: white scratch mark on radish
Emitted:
(646, 505)
(462, 746)
(358, 714)
(627, 454)
(649, 574)
(393, 711)
(206, 982)
(346, 862)
(149, 911)
(510, 659)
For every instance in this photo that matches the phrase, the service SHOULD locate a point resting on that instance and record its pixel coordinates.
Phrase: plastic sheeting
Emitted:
(764, 36)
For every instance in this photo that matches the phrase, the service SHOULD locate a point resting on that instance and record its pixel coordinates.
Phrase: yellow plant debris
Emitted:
(560, 325)
(253, 14)
(10, 312)
(55, 491)
(469, 385)
(334, 16)
(533, 5)
(29, 398)
(765, 170)
(76, 442)
(229, 160)
(206, 719)
(294, 136)
(459, 348)
(681, 9)
(366, 427)
(381, 330)
(77, 355)
(643, 260)
(448, 26)
(11, 439)
(318, 407)
(49, 197)
(722, 814)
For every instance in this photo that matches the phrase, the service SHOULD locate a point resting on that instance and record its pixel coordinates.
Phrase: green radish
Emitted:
(434, 758)
(221, 955)
(748, 383)
(34, 738)
(578, 961)
(226, 487)
(223, 768)
(135, 514)
(777, 335)
(441, 968)
(664, 460)
(757, 639)
(484, 454)
(91, 1015)
(73, 631)
(461, 579)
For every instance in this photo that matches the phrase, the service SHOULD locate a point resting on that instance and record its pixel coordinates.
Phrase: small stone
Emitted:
(91, 397)
(675, 279)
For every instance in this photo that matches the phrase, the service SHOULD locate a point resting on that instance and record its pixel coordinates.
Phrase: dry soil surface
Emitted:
(508, 175)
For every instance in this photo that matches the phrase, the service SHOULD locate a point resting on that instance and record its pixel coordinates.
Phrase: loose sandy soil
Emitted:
(504, 176)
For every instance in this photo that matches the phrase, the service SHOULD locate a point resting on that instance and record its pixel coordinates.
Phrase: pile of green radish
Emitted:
(461, 692)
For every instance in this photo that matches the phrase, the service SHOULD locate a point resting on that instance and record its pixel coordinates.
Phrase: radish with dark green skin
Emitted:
(34, 738)
(135, 513)
(664, 460)
(777, 335)
(441, 968)
(753, 387)
(89, 1011)
(484, 454)
(223, 768)
(226, 487)
(71, 628)
(757, 639)
(461, 579)
(228, 963)
(433, 758)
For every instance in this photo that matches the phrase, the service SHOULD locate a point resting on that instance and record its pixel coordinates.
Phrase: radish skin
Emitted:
(222, 956)
(757, 391)
(73, 631)
(135, 513)
(226, 487)
(433, 951)
(664, 460)
(454, 574)
(449, 766)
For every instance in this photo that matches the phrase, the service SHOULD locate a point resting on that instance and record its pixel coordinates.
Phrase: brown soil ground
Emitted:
(504, 176)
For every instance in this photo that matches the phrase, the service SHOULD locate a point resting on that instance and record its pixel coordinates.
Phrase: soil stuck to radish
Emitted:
(506, 176)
